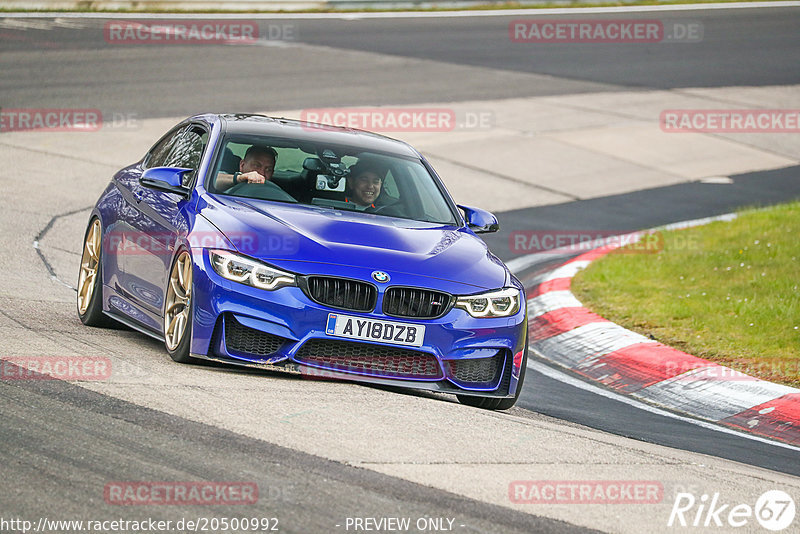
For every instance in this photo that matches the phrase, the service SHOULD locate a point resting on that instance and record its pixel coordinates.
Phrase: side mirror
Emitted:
(167, 179)
(480, 221)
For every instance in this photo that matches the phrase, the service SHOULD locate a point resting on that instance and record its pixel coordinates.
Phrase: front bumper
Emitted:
(285, 330)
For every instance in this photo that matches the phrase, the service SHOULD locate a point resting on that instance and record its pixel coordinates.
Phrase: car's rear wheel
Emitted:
(178, 309)
(490, 403)
(90, 278)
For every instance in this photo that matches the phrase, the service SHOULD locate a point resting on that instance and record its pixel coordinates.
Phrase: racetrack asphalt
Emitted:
(542, 437)
(103, 440)
(68, 62)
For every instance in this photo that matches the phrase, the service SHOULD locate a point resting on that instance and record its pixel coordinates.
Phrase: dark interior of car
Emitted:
(288, 186)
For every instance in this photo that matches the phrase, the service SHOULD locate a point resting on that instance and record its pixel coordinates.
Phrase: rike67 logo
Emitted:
(774, 510)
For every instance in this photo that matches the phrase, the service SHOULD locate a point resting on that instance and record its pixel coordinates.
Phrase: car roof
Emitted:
(254, 124)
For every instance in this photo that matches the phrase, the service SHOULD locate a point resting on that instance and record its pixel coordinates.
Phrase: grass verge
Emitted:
(728, 292)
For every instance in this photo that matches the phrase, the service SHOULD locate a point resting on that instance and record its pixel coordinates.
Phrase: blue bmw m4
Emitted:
(311, 249)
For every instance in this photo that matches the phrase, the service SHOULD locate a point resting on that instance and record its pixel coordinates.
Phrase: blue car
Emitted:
(311, 249)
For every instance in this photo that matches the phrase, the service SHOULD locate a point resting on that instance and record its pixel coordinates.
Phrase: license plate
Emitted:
(375, 330)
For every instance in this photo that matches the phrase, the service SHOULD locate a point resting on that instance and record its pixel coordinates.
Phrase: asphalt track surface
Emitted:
(101, 438)
(70, 66)
(60, 66)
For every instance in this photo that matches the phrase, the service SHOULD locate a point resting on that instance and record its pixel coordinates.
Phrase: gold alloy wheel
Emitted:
(90, 263)
(179, 294)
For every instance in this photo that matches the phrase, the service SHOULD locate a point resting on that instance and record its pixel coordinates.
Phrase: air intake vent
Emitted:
(415, 303)
(476, 370)
(341, 293)
(370, 360)
(242, 339)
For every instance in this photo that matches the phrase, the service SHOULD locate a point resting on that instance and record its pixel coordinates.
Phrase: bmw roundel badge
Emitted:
(380, 276)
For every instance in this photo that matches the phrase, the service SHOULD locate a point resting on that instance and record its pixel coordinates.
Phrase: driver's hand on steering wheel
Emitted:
(252, 177)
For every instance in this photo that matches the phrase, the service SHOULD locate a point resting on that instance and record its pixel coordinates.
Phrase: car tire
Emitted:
(178, 310)
(90, 278)
(491, 403)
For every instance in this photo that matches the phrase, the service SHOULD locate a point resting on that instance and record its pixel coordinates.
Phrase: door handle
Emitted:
(138, 196)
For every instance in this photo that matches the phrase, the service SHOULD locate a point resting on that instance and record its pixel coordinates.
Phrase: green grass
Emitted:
(728, 292)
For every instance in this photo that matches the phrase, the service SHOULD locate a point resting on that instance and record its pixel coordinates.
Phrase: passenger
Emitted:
(257, 167)
(364, 184)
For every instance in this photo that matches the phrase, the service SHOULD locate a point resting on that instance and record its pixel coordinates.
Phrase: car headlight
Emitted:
(499, 303)
(251, 272)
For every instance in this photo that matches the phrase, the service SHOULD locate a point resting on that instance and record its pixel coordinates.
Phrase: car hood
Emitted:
(304, 239)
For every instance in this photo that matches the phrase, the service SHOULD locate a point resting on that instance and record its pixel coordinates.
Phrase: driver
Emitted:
(364, 184)
(257, 167)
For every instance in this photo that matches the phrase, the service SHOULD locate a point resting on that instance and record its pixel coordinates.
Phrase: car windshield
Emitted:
(332, 176)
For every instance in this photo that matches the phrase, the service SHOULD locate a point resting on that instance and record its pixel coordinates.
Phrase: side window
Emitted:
(390, 186)
(182, 149)
(160, 152)
(420, 185)
(187, 151)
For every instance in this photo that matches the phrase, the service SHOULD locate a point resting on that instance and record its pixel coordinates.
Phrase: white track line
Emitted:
(551, 301)
(584, 345)
(698, 392)
(555, 374)
(415, 14)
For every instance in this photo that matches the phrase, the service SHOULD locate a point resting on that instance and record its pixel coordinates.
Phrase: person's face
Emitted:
(366, 187)
(263, 163)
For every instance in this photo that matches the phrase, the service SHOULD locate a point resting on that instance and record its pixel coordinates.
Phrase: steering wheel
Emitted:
(265, 191)
(393, 209)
